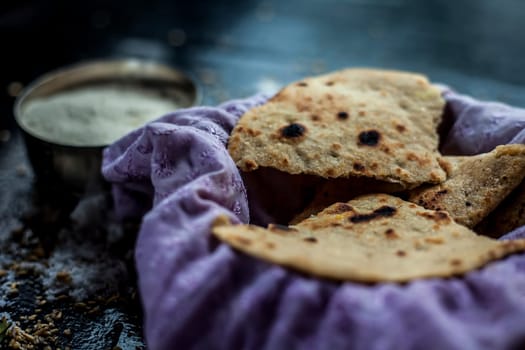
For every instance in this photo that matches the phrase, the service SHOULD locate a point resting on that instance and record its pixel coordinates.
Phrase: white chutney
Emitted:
(93, 115)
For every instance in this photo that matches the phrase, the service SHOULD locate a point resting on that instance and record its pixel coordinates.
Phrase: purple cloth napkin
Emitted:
(201, 294)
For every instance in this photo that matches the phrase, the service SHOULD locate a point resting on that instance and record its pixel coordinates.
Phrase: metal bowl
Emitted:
(77, 168)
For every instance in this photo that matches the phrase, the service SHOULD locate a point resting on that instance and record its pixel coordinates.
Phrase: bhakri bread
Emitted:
(476, 184)
(342, 190)
(372, 238)
(355, 122)
(509, 215)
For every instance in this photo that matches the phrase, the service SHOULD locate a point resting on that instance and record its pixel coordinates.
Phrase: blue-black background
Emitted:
(477, 46)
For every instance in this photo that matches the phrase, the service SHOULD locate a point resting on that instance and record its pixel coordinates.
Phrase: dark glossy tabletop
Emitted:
(238, 48)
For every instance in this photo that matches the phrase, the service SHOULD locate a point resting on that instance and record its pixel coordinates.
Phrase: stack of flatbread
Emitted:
(386, 205)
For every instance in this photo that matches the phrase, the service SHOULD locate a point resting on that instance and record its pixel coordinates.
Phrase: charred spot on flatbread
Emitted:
(369, 138)
(391, 234)
(358, 167)
(342, 115)
(293, 131)
(339, 208)
(508, 215)
(383, 212)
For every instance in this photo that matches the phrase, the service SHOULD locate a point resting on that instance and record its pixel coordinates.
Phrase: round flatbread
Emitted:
(508, 215)
(355, 122)
(372, 238)
(476, 184)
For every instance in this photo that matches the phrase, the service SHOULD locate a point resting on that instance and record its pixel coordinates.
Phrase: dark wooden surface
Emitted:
(237, 48)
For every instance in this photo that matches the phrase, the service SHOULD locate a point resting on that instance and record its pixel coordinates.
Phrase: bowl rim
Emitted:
(127, 65)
